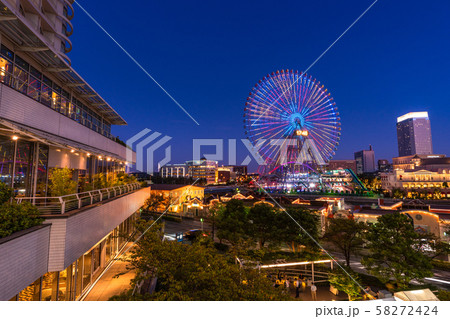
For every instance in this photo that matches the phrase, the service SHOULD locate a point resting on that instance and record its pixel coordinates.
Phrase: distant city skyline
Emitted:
(371, 85)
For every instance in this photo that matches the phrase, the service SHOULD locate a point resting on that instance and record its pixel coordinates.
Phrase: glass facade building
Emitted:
(18, 74)
(24, 166)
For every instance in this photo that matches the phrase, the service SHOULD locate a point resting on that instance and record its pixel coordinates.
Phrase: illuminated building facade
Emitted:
(426, 219)
(186, 200)
(414, 134)
(428, 162)
(202, 169)
(417, 180)
(50, 117)
(223, 175)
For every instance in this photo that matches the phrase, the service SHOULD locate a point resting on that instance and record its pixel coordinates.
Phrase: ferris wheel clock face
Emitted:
(287, 104)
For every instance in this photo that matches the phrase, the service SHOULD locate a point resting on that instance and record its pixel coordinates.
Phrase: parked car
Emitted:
(194, 234)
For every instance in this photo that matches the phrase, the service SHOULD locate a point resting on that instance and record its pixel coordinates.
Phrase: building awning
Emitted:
(55, 140)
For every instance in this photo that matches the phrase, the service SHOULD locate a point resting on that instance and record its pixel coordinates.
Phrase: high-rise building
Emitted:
(50, 118)
(365, 161)
(414, 134)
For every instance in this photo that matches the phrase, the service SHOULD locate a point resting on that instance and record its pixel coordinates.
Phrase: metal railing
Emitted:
(67, 203)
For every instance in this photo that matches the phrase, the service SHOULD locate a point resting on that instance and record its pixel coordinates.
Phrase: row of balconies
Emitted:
(51, 18)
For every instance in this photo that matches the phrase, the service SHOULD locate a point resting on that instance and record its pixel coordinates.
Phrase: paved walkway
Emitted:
(108, 286)
(323, 294)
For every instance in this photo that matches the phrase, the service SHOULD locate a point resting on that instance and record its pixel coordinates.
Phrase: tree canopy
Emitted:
(194, 272)
(346, 235)
(396, 250)
(348, 284)
(292, 234)
(15, 217)
(263, 223)
(61, 182)
(233, 225)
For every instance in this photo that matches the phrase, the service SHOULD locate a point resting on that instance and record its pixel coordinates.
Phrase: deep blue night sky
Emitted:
(209, 54)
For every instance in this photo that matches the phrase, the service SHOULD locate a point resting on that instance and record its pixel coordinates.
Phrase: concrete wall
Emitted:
(23, 259)
(22, 109)
(64, 158)
(71, 237)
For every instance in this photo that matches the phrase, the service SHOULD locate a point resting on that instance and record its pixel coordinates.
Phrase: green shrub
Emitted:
(221, 247)
(6, 193)
(144, 184)
(15, 217)
(443, 295)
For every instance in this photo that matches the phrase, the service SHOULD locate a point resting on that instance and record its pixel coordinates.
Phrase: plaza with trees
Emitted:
(392, 251)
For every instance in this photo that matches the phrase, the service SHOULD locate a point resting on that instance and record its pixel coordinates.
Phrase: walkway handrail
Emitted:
(66, 203)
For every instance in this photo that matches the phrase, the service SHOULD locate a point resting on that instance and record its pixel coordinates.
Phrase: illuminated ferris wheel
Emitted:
(297, 112)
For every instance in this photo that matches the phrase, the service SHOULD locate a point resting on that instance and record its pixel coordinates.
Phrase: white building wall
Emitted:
(72, 236)
(64, 158)
(23, 260)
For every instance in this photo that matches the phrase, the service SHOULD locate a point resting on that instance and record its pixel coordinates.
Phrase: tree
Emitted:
(157, 203)
(371, 182)
(100, 181)
(216, 210)
(263, 222)
(232, 226)
(436, 246)
(348, 284)
(396, 250)
(292, 234)
(194, 272)
(15, 217)
(437, 194)
(346, 235)
(61, 182)
(398, 193)
(414, 194)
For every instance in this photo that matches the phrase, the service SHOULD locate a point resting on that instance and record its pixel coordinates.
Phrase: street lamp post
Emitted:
(14, 138)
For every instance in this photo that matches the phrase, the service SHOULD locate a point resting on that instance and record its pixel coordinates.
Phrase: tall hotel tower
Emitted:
(414, 134)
